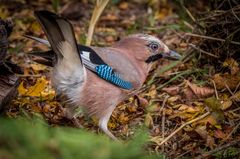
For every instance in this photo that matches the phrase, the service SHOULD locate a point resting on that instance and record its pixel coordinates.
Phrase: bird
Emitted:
(94, 78)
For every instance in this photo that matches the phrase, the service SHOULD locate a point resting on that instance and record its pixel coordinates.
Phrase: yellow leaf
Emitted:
(172, 100)
(37, 89)
(34, 91)
(38, 67)
(112, 125)
(232, 64)
(21, 89)
(35, 27)
(149, 120)
(226, 104)
(209, 119)
(156, 139)
(123, 119)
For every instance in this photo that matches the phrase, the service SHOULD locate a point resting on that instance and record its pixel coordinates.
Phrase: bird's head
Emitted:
(148, 48)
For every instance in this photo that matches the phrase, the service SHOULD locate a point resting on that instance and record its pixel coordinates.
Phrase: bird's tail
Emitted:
(68, 69)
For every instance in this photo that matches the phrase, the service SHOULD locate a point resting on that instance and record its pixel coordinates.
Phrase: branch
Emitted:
(98, 9)
(182, 126)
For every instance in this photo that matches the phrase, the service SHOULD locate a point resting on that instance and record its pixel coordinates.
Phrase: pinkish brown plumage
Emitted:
(131, 58)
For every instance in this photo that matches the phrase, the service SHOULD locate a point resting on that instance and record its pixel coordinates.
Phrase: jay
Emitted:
(97, 78)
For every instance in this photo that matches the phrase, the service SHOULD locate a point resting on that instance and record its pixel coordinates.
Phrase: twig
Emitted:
(19, 75)
(233, 11)
(215, 88)
(202, 51)
(230, 134)
(211, 38)
(236, 88)
(99, 7)
(182, 126)
(234, 142)
(163, 119)
(229, 90)
(188, 12)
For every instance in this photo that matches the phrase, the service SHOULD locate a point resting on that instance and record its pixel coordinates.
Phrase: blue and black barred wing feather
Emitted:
(107, 73)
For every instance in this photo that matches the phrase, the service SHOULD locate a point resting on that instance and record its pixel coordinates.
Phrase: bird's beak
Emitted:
(171, 55)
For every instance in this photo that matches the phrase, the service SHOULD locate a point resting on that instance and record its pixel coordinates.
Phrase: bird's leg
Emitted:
(103, 122)
(70, 114)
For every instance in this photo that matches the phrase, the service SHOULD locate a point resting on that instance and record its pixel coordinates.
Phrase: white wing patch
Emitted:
(87, 62)
(86, 55)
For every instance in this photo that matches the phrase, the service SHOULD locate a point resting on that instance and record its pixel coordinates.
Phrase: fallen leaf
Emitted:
(156, 139)
(172, 100)
(109, 17)
(148, 120)
(21, 89)
(173, 90)
(201, 130)
(232, 64)
(236, 97)
(153, 108)
(142, 101)
(216, 108)
(123, 5)
(219, 134)
(193, 90)
(132, 108)
(226, 104)
(35, 90)
(223, 80)
(209, 119)
(123, 119)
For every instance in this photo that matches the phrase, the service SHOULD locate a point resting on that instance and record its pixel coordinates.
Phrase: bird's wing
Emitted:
(90, 59)
(121, 62)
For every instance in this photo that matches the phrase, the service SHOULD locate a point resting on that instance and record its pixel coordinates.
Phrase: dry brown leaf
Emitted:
(123, 5)
(156, 139)
(223, 80)
(109, 17)
(168, 111)
(209, 119)
(193, 90)
(226, 104)
(236, 97)
(188, 109)
(152, 92)
(201, 130)
(219, 134)
(123, 119)
(132, 108)
(232, 64)
(172, 100)
(142, 101)
(173, 90)
(38, 67)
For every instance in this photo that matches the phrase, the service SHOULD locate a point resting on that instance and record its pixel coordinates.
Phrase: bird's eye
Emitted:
(153, 46)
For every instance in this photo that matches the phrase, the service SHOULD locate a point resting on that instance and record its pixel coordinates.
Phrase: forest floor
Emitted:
(190, 107)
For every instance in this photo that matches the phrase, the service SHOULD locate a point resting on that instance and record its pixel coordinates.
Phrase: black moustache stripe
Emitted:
(154, 58)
